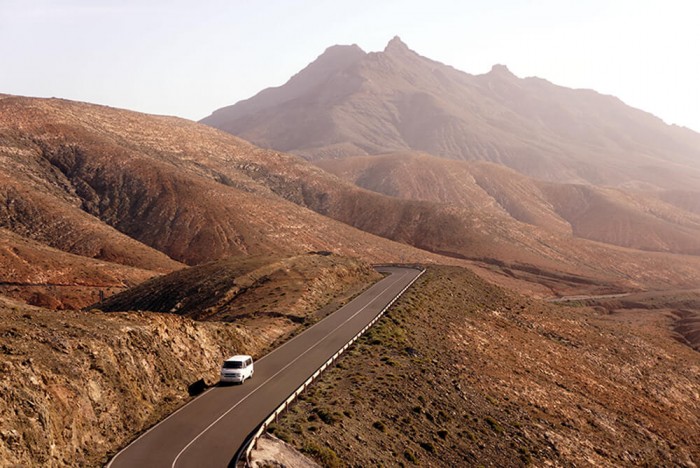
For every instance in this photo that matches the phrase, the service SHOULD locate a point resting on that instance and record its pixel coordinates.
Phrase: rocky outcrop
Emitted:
(77, 386)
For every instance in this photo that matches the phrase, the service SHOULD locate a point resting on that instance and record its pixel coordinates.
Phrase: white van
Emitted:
(237, 369)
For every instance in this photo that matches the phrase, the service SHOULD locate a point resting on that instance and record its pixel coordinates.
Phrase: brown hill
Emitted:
(123, 372)
(680, 308)
(74, 172)
(461, 373)
(38, 202)
(614, 216)
(79, 385)
(685, 199)
(198, 194)
(41, 275)
(349, 103)
(237, 288)
(629, 219)
(503, 215)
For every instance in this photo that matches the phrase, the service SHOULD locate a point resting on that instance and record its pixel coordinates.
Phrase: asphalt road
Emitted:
(209, 430)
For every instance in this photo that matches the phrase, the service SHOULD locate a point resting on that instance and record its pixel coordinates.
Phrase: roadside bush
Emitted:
(325, 456)
(378, 425)
(408, 455)
(428, 447)
(494, 425)
(280, 433)
(327, 417)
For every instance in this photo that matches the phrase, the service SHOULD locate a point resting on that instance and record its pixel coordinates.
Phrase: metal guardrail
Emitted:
(252, 442)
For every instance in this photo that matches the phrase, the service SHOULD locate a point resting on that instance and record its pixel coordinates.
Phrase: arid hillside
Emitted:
(172, 185)
(628, 218)
(121, 372)
(39, 202)
(256, 291)
(47, 277)
(118, 187)
(136, 189)
(351, 103)
(139, 190)
(680, 308)
(462, 373)
(79, 385)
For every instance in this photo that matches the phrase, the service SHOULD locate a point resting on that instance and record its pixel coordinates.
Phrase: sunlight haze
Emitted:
(172, 58)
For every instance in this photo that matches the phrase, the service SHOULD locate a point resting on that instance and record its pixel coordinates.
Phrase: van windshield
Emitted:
(233, 365)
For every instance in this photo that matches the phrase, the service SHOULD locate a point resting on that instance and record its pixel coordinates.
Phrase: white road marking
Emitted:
(281, 370)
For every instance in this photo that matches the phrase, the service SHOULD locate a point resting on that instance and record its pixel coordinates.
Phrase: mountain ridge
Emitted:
(397, 100)
(186, 193)
(583, 211)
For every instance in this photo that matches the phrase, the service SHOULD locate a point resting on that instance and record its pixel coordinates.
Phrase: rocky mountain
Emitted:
(198, 223)
(351, 103)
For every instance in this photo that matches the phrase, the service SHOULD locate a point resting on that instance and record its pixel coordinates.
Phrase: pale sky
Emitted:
(189, 58)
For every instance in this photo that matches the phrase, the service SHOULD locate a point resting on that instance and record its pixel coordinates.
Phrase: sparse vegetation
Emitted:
(327, 416)
(408, 455)
(378, 425)
(327, 457)
(494, 425)
(495, 378)
(121, 372)
(427, 446)
(94, 200)
(280, 433)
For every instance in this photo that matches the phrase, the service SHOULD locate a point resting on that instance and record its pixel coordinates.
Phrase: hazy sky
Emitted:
(189, 58)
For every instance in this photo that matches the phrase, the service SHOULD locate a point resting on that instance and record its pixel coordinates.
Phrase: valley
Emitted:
(558, 322)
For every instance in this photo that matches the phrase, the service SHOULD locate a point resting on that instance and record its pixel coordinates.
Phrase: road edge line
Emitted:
(252, 440)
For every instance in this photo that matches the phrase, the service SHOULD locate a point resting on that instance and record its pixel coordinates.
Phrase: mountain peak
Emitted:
(501, 70)
(340, 54)
(396, 45)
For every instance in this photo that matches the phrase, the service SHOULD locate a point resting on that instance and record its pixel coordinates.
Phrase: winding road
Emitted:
(208, 431)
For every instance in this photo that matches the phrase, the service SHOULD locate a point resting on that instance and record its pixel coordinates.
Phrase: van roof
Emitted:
(238, 357)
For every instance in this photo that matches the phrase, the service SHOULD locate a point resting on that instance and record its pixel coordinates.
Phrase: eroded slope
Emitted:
(129, 188)
(77, 385)
(259, 291)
